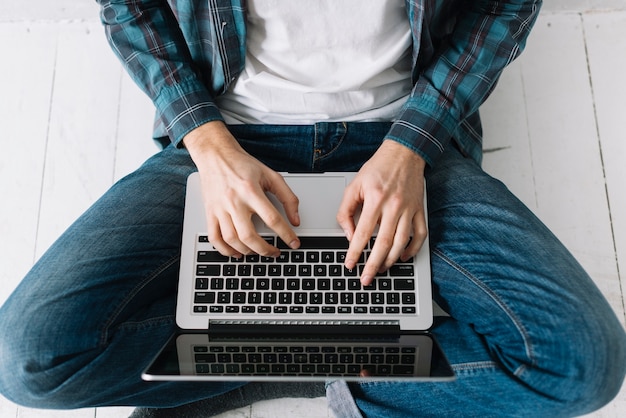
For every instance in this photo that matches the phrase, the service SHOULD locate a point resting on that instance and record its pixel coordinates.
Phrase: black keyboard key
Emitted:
(202, 283)
(331, 298)
(404, 284)
(283, 257)
(254, 298)
(312, 257)
(274, 270)
(323, 284)
(335, 270)
(354, 284)
(319, 270)
(290, 270)
(408, 298)
(259, 270)
(339, 284)
(402, 270)
(211, 257)
(384, 284)
(393, 298)
(300, 298)
(316, 298)
(297, 257)
(207, 270)
(270, 298)
(204, 297)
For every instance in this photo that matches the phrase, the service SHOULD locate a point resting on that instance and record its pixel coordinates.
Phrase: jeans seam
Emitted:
(316, 151)
(104, 334)
(507, 310)
(476, 365)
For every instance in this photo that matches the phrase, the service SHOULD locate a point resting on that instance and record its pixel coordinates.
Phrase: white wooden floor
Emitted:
(72, 123)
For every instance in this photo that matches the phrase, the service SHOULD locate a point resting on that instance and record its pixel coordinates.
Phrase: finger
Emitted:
(420, 233)
(214, 234)
(274, 220)
(385, 240)
(278, 186)
(230, 235)
(249, 237)
(362, 234)
(348, 208)
(400, 241)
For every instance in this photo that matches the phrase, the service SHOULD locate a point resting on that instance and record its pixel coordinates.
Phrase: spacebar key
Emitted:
(319, 243)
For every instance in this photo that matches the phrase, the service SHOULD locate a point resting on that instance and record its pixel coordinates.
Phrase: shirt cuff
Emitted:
(424, 127)
(183, 107)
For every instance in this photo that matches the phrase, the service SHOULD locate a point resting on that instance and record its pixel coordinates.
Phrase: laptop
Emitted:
(301, 316)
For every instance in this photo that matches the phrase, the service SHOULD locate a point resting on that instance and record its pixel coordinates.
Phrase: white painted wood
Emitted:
(81, 143)
(607, 59)
(24, 113)
(507, 154)
(114, 412)
(569, 179)
(42, 413)
(291, 407)
(24, 117)
(134, 135)
(606, 46)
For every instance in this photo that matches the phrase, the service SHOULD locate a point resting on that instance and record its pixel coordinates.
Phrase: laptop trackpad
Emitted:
(320, 197)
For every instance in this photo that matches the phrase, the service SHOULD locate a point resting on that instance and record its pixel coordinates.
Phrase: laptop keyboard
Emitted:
(309, 280)
(305, 360)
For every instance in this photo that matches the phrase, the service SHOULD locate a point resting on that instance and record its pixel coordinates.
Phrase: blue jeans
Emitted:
(529, 332)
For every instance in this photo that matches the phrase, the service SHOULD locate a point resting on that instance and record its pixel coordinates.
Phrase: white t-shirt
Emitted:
(322, 60)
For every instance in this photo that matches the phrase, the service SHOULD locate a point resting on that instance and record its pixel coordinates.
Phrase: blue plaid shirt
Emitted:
(183, 53)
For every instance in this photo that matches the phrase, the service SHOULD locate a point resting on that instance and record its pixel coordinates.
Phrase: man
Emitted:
(390, 89)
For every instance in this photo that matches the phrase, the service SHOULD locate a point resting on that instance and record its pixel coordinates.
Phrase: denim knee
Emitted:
(598, 371)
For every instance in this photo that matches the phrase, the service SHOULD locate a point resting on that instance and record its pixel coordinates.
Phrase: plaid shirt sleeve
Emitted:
(146, 37)
(487, 36)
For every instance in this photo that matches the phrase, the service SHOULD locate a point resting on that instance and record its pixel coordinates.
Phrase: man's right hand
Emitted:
(233, 188)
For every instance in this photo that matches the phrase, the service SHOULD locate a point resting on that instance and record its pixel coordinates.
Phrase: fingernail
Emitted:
(294, 244)
(365, 280)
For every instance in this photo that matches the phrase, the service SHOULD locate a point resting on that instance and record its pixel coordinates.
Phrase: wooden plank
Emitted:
(46, 413)
(289, 407)
(83, 123)
(606, 43)
(134, 136)
(569, 179)
(114, 412)
(26, 86)
(506, 145)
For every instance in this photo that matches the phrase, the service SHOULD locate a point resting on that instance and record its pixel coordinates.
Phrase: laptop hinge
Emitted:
(321, 327)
